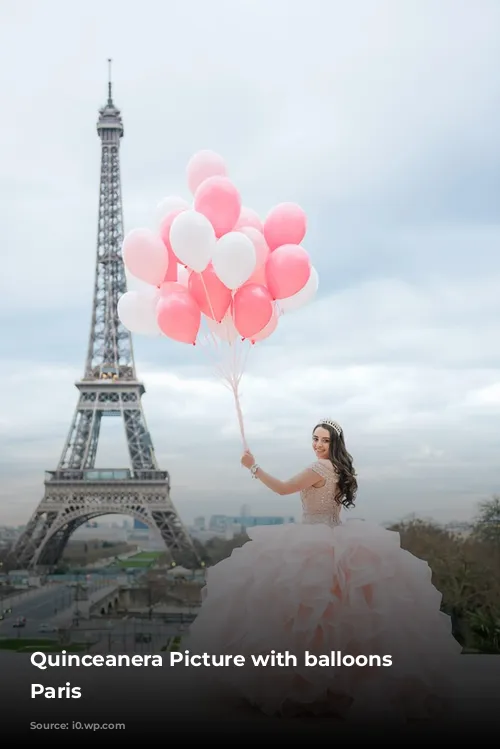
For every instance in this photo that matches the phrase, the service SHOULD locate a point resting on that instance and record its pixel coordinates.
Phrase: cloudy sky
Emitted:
(381, 119)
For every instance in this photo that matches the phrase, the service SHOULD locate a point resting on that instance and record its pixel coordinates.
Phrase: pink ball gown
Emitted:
(325, 587)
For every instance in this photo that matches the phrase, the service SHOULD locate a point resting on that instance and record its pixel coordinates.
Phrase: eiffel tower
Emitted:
(77, 491)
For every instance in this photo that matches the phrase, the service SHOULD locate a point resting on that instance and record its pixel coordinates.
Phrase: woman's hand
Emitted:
(247, 459)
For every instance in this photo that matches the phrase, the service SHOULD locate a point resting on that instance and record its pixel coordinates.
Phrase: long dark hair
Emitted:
(342, 462)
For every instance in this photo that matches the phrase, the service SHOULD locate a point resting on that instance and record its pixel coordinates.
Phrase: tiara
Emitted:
(333, 425)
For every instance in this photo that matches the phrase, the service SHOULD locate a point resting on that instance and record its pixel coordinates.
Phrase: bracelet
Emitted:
(253, 470)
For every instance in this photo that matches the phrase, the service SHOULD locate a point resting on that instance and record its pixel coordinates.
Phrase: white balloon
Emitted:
(224, 330)
(193, 240)
(137, 311)
(166, 206)
(302, 297)
(234, 259)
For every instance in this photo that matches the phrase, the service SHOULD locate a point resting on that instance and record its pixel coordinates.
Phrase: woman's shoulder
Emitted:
(323, 462)
(324, 466)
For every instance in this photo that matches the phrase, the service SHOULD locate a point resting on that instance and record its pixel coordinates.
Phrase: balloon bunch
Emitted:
(216, 261)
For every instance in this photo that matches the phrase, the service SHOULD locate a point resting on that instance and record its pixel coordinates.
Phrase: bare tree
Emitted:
(487, 525)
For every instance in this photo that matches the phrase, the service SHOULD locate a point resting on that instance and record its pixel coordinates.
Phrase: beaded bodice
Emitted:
(319, 504)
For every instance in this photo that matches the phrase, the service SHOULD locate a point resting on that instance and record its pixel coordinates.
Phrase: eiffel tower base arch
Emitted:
(69, 503)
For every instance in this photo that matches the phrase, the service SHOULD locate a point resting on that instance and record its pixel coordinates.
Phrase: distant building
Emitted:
(250, 521)
(138, 526)
(200, 524)
(218, 523)
(238, 524)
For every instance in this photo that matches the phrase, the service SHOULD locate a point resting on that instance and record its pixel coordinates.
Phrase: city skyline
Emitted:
(395, 158)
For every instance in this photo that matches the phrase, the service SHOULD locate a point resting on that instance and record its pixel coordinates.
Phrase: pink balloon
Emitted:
(259, 277)
(145, 256)
(219, 201)
(260, 244)
(285, 224)
(171, 274)
(287, 270)
(168, 287)
(212, 297)
(252, 309)
(249, 217)
(269, 329)
(179, 316)
(202, 166)
(165, 227)
(183, 274)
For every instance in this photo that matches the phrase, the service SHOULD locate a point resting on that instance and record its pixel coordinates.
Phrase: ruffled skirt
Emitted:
(357, 616)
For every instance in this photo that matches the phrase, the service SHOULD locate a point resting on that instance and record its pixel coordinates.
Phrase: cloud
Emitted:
(381, 123)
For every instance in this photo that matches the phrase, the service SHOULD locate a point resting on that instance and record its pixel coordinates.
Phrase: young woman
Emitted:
(359, 615)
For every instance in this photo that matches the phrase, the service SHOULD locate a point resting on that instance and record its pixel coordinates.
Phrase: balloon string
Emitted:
(234, 387)
(232, 379)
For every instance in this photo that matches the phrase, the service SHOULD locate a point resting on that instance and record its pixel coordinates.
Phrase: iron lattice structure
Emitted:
(76, 492)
